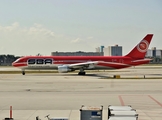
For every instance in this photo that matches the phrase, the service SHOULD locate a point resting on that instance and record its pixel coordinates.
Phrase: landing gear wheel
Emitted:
(23, 72)
(81, 73)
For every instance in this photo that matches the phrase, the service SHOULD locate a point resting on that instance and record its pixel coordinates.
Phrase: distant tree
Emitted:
(7, 59)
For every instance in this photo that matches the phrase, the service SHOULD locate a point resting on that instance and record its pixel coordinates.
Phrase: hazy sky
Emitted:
(29, 27)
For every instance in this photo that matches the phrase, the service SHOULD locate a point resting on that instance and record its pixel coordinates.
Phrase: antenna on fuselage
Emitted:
(38, 54)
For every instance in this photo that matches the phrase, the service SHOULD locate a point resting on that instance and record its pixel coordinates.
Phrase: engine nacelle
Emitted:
(63, 69)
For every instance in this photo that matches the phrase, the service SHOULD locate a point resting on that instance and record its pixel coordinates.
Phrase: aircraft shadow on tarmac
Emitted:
(71, 74)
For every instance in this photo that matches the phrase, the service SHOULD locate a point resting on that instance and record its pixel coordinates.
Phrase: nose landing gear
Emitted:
(23, 72)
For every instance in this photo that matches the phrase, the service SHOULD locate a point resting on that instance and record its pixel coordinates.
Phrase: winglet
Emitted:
(140, 49)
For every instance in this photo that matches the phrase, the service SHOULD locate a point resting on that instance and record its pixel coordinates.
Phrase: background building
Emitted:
(149, 53)
(153, 52)
(101, 49)
(98, 49)
(113, 51)
(78, 53)
(155, 55)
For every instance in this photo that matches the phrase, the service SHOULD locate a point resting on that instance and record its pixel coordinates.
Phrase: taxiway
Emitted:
(61, 95)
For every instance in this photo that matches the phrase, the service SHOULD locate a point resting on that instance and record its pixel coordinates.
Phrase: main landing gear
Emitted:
(23, 72)
(81, 72)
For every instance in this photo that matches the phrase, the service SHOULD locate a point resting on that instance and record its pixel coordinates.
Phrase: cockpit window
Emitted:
(17, 60)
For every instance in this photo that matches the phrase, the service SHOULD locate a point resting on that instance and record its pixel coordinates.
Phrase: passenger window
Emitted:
(31, 61)
(48, 61)
(40, 61)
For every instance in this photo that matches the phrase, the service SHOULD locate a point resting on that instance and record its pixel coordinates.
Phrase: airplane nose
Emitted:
(13, 64)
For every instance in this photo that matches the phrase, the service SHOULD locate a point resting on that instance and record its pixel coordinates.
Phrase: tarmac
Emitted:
(62, 95)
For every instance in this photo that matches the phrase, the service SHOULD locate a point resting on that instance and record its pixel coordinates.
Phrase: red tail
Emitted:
(140, 50)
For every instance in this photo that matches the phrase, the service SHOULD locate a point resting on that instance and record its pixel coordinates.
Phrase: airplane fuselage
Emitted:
(52, 62)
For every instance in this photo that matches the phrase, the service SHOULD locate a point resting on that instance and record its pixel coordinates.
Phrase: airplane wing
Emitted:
(92, 64)
(76, 66)
(83, 65)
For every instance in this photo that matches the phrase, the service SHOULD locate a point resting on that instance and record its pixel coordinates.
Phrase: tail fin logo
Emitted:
(143, 46)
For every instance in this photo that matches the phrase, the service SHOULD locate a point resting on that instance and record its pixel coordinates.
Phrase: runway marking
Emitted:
(32, 114)
(133, 100)
(121, 100)
(155, 100)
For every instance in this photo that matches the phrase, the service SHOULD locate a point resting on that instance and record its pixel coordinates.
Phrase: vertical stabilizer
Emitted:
(139, 51)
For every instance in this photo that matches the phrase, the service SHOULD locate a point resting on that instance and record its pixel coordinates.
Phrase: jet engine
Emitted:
(63, 69)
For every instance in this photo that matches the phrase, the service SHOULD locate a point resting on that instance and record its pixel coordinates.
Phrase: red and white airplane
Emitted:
(71, 63)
